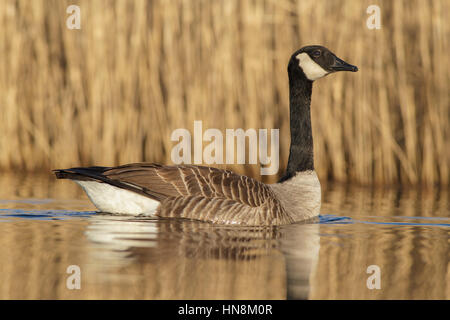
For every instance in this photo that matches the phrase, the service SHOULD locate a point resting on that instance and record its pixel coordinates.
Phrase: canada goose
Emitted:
(221, 196)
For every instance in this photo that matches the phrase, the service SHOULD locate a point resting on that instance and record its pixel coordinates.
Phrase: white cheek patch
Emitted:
(312, 70)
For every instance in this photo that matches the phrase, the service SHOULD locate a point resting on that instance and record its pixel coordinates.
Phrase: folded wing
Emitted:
(195, 192)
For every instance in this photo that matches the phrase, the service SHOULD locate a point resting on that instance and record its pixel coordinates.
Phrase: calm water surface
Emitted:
(48, 225)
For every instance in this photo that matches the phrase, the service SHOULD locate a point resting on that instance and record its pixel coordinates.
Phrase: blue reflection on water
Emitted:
(376, 220)
(333, 219)
(43, 214)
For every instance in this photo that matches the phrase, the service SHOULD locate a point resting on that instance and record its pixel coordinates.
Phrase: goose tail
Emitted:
(110, 195)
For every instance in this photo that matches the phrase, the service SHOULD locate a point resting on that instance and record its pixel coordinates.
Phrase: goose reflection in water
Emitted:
(190, 259)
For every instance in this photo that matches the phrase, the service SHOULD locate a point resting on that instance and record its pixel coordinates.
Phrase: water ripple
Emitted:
(333, 219)
(43, 214)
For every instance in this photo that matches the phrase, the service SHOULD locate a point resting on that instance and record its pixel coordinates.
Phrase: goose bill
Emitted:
(341, 65)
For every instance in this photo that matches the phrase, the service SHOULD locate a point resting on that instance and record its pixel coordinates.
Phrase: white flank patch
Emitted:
(108, 198)
(312, 70)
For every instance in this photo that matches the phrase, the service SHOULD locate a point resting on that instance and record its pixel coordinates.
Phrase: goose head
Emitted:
(316, 62)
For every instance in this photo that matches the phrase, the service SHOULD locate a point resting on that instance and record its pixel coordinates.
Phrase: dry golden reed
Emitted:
(113, 92)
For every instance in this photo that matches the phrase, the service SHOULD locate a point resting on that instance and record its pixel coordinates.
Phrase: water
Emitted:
(48, 225)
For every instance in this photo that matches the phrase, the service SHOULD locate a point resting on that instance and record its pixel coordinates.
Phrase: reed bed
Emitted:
(113, 91)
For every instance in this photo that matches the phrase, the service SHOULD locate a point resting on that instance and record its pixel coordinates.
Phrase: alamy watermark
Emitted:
(374, 280)
(74, 280)
(374, 20)
(213, 152)
(74, 20)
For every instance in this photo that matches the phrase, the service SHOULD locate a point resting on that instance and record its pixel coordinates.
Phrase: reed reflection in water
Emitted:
(47, 226)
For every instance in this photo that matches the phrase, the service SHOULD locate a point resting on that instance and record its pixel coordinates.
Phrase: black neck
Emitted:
(301, 157)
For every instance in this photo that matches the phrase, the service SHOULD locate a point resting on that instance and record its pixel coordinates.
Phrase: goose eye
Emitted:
(316, 53)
